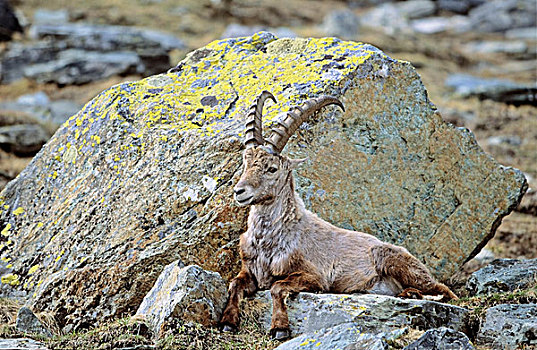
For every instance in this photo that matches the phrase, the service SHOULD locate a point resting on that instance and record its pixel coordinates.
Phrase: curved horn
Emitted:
(254, 126)
(294, 118)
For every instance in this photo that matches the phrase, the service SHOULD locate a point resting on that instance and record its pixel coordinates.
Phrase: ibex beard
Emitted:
(288, 249)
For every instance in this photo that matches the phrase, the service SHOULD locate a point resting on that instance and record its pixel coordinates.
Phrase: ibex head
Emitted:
(266, 171)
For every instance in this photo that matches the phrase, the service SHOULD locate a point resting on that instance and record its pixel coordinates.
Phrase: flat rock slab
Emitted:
(502, 90)
(509, 326)
(370, 313)
(21, 344)
(143, 174)
(503, 275)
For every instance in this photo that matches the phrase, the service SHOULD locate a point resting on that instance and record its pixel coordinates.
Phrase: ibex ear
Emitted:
(296, 162)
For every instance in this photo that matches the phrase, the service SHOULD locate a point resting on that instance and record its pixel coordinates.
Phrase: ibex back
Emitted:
(289, 249)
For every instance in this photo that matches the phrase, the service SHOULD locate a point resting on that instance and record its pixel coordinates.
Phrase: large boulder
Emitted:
(143, 174)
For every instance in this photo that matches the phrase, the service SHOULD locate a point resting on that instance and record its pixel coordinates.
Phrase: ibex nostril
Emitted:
(239, 191)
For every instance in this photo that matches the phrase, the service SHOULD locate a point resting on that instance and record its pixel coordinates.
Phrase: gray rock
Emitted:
(432, 25)
(388, 17)
(18, 56)
(187, 293)
(27, 322)
(441, 339)
(80, 67)
(457, 6)
(106, 38)
(509, 326)
(503, 275)
(512, 140)
(309, 313)
(394, 17)
(235, 30)
(21, 344)
(416, 8)
(23, 139)
(9, 22)
(522, 33)
(49, 114)
(45, 16)
(70, 42)
(344, 336)
(510, 47)
(501, 15)
(37, 99)
(343, 23)
(143, 175)
(485, 256)
(495, 89)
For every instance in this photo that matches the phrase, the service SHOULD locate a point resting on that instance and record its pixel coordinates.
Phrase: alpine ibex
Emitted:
(289, 249)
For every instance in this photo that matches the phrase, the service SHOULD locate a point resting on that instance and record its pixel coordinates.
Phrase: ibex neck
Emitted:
(282, 211)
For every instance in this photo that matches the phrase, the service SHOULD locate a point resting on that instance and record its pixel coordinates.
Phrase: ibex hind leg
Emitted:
(398, 263)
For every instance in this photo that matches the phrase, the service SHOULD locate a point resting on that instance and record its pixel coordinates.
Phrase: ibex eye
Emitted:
(272, 170)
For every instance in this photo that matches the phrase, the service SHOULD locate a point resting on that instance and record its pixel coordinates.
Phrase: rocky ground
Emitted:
(478, 64)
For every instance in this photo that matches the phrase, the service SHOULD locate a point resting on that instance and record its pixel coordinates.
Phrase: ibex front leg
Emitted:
(294, 283)
(242, 285)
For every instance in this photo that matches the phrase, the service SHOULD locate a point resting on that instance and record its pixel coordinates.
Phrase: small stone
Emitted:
(510, 47)
(417, 8)
(501, 90)
(343, 23)
(431, 25)
(509, 326)
(45, 16)
(27, 322)
(23, 139)
(457, 6)
(388, 17)
(485, 256)
(441, 339)
(187, 293)
(20, 344)
(503, 275)
(37, 99)
(512, 140)
(522, 33)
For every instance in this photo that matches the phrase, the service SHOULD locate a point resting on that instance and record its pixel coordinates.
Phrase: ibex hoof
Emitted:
(280, 334)
(228, 329)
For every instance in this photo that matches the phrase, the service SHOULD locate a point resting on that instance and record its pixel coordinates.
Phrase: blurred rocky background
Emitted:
(477, 59)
